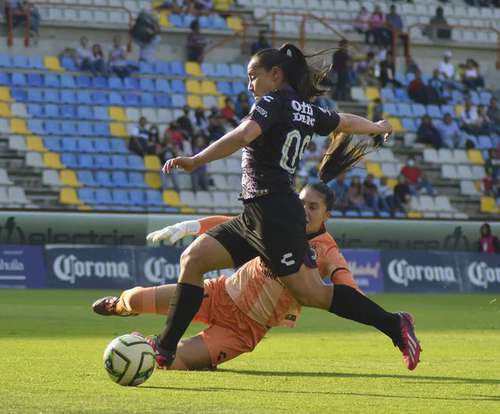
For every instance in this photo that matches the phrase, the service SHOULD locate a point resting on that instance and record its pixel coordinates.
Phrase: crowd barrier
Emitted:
(102, 267)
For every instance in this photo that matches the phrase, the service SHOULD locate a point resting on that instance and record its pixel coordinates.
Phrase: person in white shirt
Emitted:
(83, 54)
(451, 134)
(447, 72)
(470, 119)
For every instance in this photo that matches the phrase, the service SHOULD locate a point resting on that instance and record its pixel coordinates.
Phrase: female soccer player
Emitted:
(240, 309)
(272, 225)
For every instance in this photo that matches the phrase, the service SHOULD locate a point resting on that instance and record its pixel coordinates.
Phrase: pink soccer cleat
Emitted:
(411, 348)
(164, 359)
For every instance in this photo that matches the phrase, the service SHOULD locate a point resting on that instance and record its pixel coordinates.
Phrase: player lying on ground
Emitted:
(242, 308)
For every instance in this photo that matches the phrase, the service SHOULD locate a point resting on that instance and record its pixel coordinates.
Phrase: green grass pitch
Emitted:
(51, 348)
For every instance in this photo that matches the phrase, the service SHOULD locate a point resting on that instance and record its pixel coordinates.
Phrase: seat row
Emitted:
(13, 197)
(455, 156)
(462, 172)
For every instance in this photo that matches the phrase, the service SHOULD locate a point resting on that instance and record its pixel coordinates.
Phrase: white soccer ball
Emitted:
(129, 360)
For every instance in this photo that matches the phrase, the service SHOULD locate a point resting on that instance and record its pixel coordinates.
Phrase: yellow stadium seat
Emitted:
(396, 124)
(478, 185)
(193, 86)
(163, 18)
(172, 198)
(414, 214)
(118, 129)
(152, 163)
(208, 88)
(34, 143)
(488, 205)
(221, 101)
(392, 182)
(374, 168)
(5, 94)
(69, 196)
(188, 210)
(52, 160)
(223, 5)
(68, 177)
(117, 113)
(194, 101)
(235, 23)
(459, 109)
(52, 63)
(5, 110)
(84, 207)
(153, 179)
(194, 69)
(475, 156)
(18, 126)
(372, 93)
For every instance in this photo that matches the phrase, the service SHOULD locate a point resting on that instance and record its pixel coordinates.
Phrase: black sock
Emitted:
(350, 304)
(183, 306)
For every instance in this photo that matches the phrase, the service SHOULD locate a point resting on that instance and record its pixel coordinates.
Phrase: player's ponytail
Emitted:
(342, 154)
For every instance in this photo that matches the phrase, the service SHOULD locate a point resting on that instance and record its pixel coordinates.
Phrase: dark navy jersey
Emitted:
(288, 124)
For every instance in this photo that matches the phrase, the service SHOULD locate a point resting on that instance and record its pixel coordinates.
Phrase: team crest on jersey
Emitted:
(304, 113)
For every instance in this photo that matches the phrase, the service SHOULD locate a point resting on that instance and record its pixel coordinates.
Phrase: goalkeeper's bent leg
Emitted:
(152, 300)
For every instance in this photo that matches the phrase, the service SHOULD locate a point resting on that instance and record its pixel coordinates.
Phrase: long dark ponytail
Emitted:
(304, 79)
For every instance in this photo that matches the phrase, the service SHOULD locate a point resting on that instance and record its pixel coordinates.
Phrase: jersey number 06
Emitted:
(293, 140)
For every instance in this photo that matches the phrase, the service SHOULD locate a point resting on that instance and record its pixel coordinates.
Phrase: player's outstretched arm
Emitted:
(172, 234)
(239, 137)
(354, 124)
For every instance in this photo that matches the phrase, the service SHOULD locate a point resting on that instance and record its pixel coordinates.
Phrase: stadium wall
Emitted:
(101, 267)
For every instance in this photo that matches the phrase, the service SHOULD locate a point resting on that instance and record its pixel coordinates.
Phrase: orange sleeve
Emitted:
(333, 264)
(207, 223)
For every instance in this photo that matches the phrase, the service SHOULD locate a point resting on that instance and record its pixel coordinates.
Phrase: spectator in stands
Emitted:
(493, 162)
(417, 90)
(118, 59)
(362, 22)
(365, 70)
(488, 243)
(242, 106)
(472, 79)
(470, 119)
(388, 71)
(174, 135)
(139, 138)
(20, 10)
(199, 120)
(489, 182)
(447, 72)
(370, 193)
(176, 6)
(146, 33)
(97, 64)
(438, 27)
(199, 177)
(427, 133)
(416, 179)
(200, 7)
(493, 113)
(451, 135)
(196, 43)
(83, 55)
(215, 127)
(378, 31)
(165, 150)
(355, 195)
(411, 66)
(228, 113)
(185, 122)
(260, 43)
(402, 194)
(340, 189)
(437, 89)
(385, 195)
(341, 66)
(484, 121)
(395, 26)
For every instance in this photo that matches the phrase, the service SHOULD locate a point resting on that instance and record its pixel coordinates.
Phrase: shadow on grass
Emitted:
(415, 377)
(299, 392)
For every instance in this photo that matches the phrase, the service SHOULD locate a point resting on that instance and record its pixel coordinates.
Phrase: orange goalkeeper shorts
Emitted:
(230, 332)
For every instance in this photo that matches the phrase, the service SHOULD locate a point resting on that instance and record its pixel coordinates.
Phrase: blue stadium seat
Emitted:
(32, 95)
(100, 98)
(163, 100)
(18, 79)
(19, 61)
(146, 68)
(209, 69)
(103, 196)
(102, 161)
(223, 70)
(391, 109)
(86, 161)
(36, 110)
(239, 87)
(225, 88)
(456, 97)
(4, 79)
(351, 213)
(434, 111)
(69, 144)
(119, 162)
(177, 68)
(101, 113)
(405, 109)
(218, 22)
(102, 145)
(68, 96)
(70, 160)
(474, 97)
(86, 177)
(83, 81)
(367, 213)
(178, 86)
(154, 198)
(131, 83)
(401, 78)
(163, 85)
(51, 111)
(147, 99)
(85, 145)
(238, 71)
(35, 80)
(51, 80)
(84, 128)
(116, 99)
(68, 111)
(100, 82)
(52, 127)
(135, 162)
(84, 97)
(21, 95)
(137, 197)
(120, 197)
(5, 61)
(162, 68)
(418, 110)
(409, 124)
(69, 128)
(103, 178)
(119, 179)
(484, 142)
(68, 64)
(87, 195)
(51, 95)
(176, 20)
(118, 146)
(68, 81)
(85, 112)
(401, 95)
(146, 84)
(485, 97)
(136, 180)
(337, 213)
(131, 99)
(205, 22)
(52, 144)
(448, 109)
(115, 83)
(36, 126)
(100, 129)
(384, 214)
(387, 94)
(178, 101)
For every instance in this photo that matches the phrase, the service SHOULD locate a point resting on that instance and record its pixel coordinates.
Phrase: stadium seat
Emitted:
(34, 159)
(68, 178)
(117, 129)
(195, 101)
(52, 63)
(53, 144)
(102, 161)
(86, 195)
(35, 143)
(51, 178)
(449, 172)
(148, 85)
(86, 177)
(154, 198)
(120, 197)
(118, 146)
(193, 69)
(103, 196)
(137, 197)
(172, 198)
(71, 160)
(119, 179)
(475, 156)
(4, 178)
(488, 205)
(18, 126)
(103, 179)
(69, 196)
(135, 162)
(16, 142)
(136, 180)
(52, 160)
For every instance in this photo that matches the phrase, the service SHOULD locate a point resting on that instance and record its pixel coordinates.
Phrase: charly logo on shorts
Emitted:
(287, 259)
(159, 270)
(403, 273)
(68, 268)
(482, 275)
